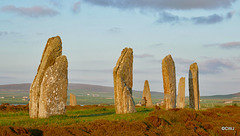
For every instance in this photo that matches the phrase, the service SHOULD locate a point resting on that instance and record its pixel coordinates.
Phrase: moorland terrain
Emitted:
(95, 115)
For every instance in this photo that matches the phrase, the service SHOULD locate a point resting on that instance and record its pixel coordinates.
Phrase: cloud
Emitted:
(207, 66)
(3, 33)
(6, 77)
(35, 11)
(157, 45)
(166, 17)
(230, 14)
(214, 66)
(163, 4)
(160, 6)
(182, 64)
(228, 45)
(56, 3)
(76, 7)
(211, 19)
(144, 56)
(114, 30)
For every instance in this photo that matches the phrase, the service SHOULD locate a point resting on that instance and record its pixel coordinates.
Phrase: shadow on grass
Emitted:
(144, 110)
(93, 115)
(36, 132)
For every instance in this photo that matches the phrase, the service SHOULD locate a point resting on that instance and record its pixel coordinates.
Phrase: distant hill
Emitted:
(71, 86)
(15, 87)
(78, 89)
(228, 96)
(87, 90)
(86, 94)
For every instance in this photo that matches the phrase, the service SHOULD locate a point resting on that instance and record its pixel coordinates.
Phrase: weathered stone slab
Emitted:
(122, 76)
(169, 82)
(73, 100)
(52, 59)
(194, 96)
(181, 93)
(147, 95)
(53, 92)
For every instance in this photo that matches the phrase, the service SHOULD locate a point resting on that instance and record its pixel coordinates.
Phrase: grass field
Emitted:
(102, 120)
(73, 116)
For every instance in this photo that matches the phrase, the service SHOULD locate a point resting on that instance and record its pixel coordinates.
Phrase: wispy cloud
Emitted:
(182, 64)
(56, 3)
(35, 11)
(114, 30)
(157, 45)
(6, 77)
(230, 14)
(163, 4)
(5, 33)
(76, 7)
(228, 45)
(143, 56)
(211, 19)
(214, 66)
(166, 17)
(207, 66)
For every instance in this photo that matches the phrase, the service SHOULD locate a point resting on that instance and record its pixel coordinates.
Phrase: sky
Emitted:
(94, 32)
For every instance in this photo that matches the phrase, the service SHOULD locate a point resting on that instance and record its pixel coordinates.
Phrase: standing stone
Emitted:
(143, 101)
(73, 100)
(181, 93)
(194, 96)
(53, 92)
(50, 84)
(169, 82)
(147, 95)
(123, 76)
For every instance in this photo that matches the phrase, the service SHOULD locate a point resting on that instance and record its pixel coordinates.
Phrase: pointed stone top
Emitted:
(167, 58)
(146, 82)
(146, 86)
(182, 78)
(54, 41)
(194, 66)
(127, 49)
(53, 49)
(126, 55)
(169, 55)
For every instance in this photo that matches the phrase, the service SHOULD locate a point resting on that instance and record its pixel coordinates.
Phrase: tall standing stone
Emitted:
(73, 100)
(181, 93)
(123, 76)
(49, 87)
(169, 82)
(194, 96)
(147, 95)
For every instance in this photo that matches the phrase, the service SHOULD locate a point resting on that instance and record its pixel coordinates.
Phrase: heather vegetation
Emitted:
(102, 120)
